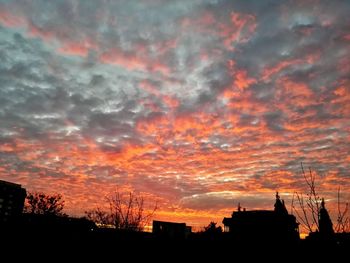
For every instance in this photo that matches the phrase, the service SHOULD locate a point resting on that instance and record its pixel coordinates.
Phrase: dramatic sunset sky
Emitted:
(198, 104)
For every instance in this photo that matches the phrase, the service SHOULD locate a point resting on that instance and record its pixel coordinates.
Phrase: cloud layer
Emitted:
(200, 104)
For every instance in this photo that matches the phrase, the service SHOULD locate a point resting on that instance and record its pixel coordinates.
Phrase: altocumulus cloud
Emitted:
(201, 104)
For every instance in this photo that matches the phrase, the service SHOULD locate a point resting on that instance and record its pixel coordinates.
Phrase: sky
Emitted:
(198, 105)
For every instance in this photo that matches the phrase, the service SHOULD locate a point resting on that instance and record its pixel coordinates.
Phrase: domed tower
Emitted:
(325, 222)
(280, 207)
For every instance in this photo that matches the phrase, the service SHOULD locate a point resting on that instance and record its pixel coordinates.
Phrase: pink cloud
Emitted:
(9, 19)
(77, 48)
(131, 61)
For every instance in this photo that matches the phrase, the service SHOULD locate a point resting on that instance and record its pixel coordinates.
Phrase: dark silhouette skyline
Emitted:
(199, 104)
(243, 225)
(259, 231)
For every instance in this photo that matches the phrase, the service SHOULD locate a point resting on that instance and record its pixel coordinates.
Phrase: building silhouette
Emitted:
(11, 201)
(170, 230)
(263, 225)
(55, 224)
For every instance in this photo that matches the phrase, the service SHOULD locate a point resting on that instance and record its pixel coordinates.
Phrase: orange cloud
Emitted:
(268, 72)
(240, 31)
(342, 92)
(6, 148)
(242, 80)
(171, 102)
(342, 98)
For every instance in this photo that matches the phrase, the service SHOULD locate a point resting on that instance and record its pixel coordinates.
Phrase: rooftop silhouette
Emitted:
(262, 225)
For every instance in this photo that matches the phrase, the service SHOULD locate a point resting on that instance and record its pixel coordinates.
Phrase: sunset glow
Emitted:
(197, 104)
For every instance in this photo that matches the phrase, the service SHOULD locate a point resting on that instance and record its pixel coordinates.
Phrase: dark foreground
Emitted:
(49, 245)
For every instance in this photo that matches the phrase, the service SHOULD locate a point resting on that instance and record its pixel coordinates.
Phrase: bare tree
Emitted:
(101, 218)
(127, 212)
(309, 205)
(212, 228)
(310, 208)
(41, 203)
(343, 222)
